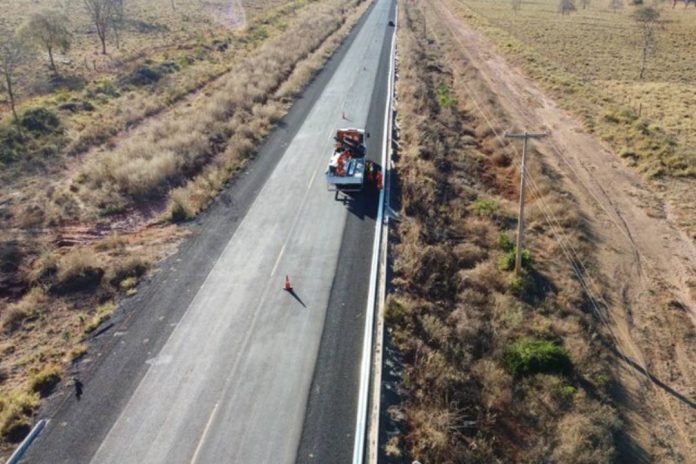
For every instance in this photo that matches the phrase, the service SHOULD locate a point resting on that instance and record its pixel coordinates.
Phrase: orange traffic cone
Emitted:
(288, 285)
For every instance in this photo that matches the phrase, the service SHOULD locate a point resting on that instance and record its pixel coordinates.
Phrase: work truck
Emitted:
(349, 169)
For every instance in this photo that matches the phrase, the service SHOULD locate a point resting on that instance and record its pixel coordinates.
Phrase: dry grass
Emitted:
(137, 155)
(590, 61)
(102, 313)
(231, 120)
(14, 409)
(463, 326)
(15, 314)
(44, 381)
(104, 105)
(75, 290)
(77, 267)
(151, 26)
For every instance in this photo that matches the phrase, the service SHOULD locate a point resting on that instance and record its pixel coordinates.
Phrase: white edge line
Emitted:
(311, 181)
(201, 441)
(280, 255)
(366, 363)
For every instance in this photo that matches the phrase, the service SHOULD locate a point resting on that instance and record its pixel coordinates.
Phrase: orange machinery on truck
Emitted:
(349, 170)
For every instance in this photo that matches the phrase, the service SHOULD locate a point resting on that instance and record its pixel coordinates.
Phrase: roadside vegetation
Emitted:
(97, 176)
(494, 368)
(625, 69)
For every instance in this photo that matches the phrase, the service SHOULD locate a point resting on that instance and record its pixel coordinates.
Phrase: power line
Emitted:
(575, 262)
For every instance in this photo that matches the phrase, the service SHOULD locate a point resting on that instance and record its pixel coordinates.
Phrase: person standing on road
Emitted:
(78, 387)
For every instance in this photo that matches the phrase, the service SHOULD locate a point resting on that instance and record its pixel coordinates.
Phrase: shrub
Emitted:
(77, 271)
(392, 448)
(180, 207)
(530, 356)
(396, 312)
(444, 97)
(627, 152)
(40, 121)
(13, 317)
(587, 436)
(102, 313)
(485, 208)
(485, 278)
(110, 209)
(45, 380)
(469, 255)
(507, 261)
(602, 379)
(496, 391)
(105, 88)
(168, 67)
(14, 411)
(74, 106)
(520, 285)
(128, 283)
(44, 269)
(122, 269)
(567, 392)
(505, 242)
(111, 243)
(11, 144)
(17, 313)
(142, 75)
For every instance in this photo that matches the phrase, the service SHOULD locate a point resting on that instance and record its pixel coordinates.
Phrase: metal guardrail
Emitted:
(22, 448)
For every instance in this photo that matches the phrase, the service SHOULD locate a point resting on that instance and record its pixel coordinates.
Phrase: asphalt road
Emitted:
(214, 362)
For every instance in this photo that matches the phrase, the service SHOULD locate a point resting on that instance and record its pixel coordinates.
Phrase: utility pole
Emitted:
(523, 171)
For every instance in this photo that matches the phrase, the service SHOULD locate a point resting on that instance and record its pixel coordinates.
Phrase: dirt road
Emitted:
(645, 278)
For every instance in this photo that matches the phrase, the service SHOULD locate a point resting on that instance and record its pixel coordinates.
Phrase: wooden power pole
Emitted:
(520, 220)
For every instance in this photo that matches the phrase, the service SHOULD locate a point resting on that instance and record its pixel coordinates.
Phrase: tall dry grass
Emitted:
(454, 313)
(181, 158)
(212, 137)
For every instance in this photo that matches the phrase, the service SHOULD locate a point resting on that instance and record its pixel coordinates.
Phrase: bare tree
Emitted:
(647, 19)
(13, 52)
(107, 16)
(516, 4)
(117, 18)
(585, 3)
(616, 4)
(49, 30)
(566, 6)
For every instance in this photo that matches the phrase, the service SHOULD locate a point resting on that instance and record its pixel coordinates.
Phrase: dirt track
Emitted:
(645, 280)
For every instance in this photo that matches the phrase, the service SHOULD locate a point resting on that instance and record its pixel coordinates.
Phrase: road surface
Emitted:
(214, 362)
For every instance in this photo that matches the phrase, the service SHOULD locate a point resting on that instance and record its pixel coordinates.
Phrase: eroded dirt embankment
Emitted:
(643, 274)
